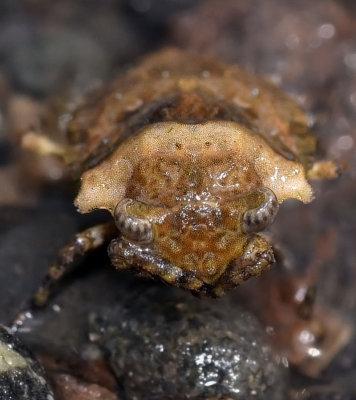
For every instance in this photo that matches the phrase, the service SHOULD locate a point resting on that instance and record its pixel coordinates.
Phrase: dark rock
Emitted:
(169, 345)
(21, 375)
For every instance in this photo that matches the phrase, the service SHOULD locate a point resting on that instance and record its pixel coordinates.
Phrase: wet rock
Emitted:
(21, 375)
(165, 344)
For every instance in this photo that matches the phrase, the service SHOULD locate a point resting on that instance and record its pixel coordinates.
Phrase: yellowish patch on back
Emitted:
(105, 185)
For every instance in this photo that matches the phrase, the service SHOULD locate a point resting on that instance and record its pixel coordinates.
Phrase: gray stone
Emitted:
(165, 344)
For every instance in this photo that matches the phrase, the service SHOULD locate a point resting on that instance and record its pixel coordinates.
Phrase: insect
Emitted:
(191, 157)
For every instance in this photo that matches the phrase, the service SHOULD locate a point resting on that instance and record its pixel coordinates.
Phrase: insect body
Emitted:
(192, 158)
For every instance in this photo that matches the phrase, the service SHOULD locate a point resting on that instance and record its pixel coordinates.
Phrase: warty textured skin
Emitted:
(192, 158)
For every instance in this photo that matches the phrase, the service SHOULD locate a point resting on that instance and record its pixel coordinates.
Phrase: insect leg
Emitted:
(83, 243)
(327, 169)
(257, 257)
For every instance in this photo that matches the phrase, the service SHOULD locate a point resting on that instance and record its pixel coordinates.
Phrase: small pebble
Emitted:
(166, 344)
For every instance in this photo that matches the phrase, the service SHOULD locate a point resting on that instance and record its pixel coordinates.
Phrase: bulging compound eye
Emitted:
(259, 218)
(137, 229)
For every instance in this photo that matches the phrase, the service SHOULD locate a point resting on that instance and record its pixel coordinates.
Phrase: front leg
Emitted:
(257, 257)
(147, 263)
(68, 258)
(284, 300)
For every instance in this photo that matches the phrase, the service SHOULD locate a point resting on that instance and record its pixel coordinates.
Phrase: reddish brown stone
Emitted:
(68, 387)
